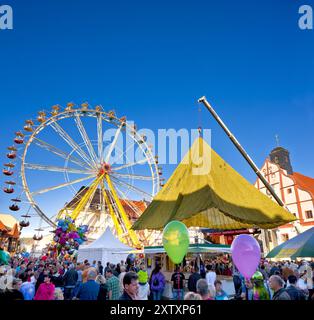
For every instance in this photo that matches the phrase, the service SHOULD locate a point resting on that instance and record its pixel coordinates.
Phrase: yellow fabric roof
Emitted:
(205, 191)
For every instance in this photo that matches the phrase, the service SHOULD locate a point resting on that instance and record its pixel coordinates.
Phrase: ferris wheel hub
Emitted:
(105, 168)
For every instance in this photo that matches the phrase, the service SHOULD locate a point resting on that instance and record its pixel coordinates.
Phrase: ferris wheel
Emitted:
(67, 166)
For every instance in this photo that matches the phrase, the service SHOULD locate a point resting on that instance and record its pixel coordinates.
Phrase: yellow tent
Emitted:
(205, 191)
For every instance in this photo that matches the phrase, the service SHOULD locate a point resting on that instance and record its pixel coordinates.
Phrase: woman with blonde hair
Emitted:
(59, 294)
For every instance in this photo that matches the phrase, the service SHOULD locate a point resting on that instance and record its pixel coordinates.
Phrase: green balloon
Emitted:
(4, 257)
(176, 240)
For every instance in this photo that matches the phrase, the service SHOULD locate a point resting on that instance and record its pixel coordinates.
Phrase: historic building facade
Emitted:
(295, 190)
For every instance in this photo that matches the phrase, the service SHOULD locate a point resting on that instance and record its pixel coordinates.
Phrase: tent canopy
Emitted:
(107, 248)
(108, 241)
(301, 246)
(205, 191)
(193, 248)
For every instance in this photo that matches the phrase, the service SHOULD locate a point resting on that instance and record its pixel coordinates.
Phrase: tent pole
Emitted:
(241, 150)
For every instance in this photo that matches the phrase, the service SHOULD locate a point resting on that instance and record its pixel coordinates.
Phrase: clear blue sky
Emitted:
(151, 61)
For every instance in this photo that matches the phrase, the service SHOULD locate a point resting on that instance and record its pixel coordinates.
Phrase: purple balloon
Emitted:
(246, 254)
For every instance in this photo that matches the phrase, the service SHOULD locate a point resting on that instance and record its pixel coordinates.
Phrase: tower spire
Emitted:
(277, 140)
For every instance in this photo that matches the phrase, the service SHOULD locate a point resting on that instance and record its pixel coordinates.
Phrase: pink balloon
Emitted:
(246, 254)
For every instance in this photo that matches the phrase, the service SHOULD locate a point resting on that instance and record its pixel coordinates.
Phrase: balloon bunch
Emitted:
(68, 237)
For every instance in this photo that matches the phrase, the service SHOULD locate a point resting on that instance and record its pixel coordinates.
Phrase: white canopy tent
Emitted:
(107, 248)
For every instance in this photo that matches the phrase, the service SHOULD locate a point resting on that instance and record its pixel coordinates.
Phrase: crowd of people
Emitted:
(285, 280)
(45, 278)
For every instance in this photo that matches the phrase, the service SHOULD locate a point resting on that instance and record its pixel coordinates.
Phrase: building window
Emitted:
(276, 160)
(309, 214)
(285, 237)
(289, 191)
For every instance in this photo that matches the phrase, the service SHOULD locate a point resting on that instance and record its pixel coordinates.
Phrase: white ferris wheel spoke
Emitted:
(64, 135)
(99, 138)
(113, 143)
(86, 139)
(131, 164)
(60, 153)
(62, 185)
(132, 176)
(136, 189)
(34, 166)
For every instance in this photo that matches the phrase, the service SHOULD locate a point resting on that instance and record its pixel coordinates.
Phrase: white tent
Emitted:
(107, 248)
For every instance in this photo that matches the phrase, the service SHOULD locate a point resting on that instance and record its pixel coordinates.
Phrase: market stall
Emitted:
(197, 253)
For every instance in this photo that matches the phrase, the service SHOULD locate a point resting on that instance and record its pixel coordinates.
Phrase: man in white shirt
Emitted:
(210, 275)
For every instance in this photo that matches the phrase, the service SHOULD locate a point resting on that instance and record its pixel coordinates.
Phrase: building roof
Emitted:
(14, 232)
(304, 182)
(3, 227)
(8, 220)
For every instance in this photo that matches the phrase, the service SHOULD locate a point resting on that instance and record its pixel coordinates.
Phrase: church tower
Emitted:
(281, 157)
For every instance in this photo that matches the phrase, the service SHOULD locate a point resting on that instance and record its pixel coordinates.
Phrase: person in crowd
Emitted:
(113, 285)
(202, 289)
(118, 268)
(276, 284)
(27, 287)
(41, 277)
(107, 267)
(274, 269)
(131, 286)
(143, 283)
(264, 272)
(157, 283)
(238, 282)
(85, 271)
(220, 294)
(194, 277)
(103, 289)
(192, 296)
(210, 275)
(294, 292)
(286, 272)
(79, 270)
(12, 291)
(178, 281)
(57, 278)
(121, 275)
(302, 282)
(90, 289)
(94, 264)
(114, 271)
(70, 280)
(259, 290)
(46, 289)
(100, 268)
